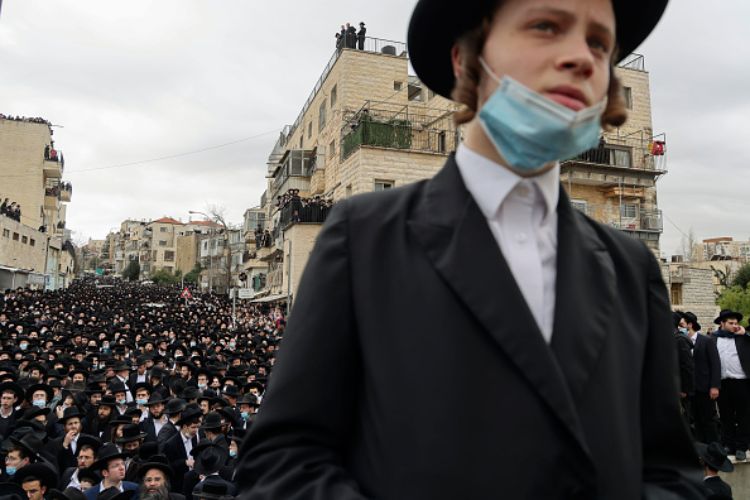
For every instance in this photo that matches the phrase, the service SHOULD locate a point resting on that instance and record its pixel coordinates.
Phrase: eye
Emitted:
(599, 44)
(545, 26)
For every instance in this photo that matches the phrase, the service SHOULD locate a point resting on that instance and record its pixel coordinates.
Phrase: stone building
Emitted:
(691, 288)
(366, 126)
(31, 171)
(616, 182)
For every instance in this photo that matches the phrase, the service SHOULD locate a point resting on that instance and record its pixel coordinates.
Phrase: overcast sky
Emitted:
(138, 80)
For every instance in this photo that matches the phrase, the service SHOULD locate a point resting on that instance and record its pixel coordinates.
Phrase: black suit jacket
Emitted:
(174, 450)
(407, 308)
(718, 489)
(686, 363)
(707, 364)
(743, 351)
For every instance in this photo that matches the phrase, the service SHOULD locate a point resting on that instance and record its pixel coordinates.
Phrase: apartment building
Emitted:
(31, 175)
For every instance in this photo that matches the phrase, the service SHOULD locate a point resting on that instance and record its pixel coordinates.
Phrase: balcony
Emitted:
(51, 198)
(66, 192)
(293, 172)
(398, 126)
(637, 156)
(52, 169)
(627, 217)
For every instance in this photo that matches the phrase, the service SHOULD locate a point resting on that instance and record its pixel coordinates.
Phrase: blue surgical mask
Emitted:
(40, 403)
(245, 415)
(141, 402)
(123, 402)
(10, 470)
(232, 453)
(530, 131)
(24, 346)
(683, 331)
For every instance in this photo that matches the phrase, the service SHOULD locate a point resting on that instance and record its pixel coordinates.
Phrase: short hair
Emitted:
(21, 451)
(29, 479)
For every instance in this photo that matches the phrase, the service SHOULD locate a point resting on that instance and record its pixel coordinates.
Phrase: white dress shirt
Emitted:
(522, 215)
(730, 360)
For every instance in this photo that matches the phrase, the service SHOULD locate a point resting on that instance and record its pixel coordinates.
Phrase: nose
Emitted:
(576, 57)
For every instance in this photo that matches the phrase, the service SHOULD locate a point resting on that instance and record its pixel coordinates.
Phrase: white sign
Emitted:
(245, 293)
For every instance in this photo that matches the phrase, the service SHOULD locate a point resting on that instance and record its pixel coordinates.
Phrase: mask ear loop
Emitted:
(488, 70)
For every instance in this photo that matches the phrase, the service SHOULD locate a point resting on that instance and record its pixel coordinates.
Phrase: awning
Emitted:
(272, 298)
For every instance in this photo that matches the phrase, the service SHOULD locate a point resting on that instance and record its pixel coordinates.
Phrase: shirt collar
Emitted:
(490, 183)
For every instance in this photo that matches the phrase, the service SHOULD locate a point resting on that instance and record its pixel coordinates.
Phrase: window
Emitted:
(322, 115)
(6, 233)
(169, 256)
(627, 94)
(162, 229)
(442, 141)
(581, 205)
(415, 93)
(32, 242)
(334, 95)
(309, 130)
(348, 191)
(383, 185)
(24, 240)
(155, 255)
(332, 148)
(162, 243)
(629, 210)
(397, 86)
(676, 293)
(15, 236)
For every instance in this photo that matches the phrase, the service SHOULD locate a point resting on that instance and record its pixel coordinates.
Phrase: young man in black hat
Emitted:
(734, 405)
(156, 418)
(110, 463)
(707, 381)
(714, 459)
(559, 326)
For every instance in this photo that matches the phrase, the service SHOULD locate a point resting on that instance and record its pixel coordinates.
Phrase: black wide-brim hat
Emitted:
(14, 388)
(728, 314)
(436, 25)
(40, 470)
(39, 387)
(713, 455)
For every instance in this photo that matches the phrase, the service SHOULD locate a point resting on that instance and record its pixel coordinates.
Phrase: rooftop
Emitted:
(167, 220)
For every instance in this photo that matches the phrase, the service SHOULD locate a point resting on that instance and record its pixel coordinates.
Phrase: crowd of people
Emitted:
(110, 389)
(294, 208)
(714, 373)
(350, 38)
(27, 119)
(10, 209)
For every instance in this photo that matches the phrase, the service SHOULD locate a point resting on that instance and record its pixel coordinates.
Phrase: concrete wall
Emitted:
(21, 246)
(299, 240)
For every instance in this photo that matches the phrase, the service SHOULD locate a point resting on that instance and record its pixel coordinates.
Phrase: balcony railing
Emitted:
(626, 217)
(636, 151)
(398, 126)
(633, 61)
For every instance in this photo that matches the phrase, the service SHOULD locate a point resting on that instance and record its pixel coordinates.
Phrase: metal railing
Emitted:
(398, 126)
(373, 45)
(637, 150)
(633, 61)
(627, 217)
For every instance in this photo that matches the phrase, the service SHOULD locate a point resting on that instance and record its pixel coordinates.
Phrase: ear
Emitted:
(456, 61)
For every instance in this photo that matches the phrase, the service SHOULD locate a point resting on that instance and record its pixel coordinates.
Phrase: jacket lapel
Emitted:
(585, 278)
(454, 234)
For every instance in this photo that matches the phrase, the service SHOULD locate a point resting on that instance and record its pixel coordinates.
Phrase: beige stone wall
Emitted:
(695, 285)
(639, 117)
(187, 253)
(299, 240)
(21, 166)
(162, 232)
(21, 246)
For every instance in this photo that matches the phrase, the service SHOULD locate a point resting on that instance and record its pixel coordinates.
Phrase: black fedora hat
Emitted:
(209, 457)
(114, 493)
(13, 387)
(159, 462)
(88, 475)
(155, 398)
(108, 400)
(130, 432)
(70, 493)
(212, 488)
(174, 406)
(211, 421)
(70, 412)
(41, 471)
(30, 442)
(39, 387)
(436, 25)
(106, 453)
(88, 440)
(726, 314)
(714, 456)
(190, 413)
(12, 491)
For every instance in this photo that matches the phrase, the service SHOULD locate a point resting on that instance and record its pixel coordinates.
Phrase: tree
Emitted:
(194, 274)
(742, 278)
(218, 215)
(133, 271)
(688, 245)
(736, 299)
(164, 277)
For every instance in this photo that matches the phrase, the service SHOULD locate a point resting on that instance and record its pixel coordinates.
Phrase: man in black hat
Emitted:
(130, 442)
(110, 463)
(155, 477)
(361, 35)
(156, 418)
(11, 395)
(173, 410)
(707, 381)
(559, 326)
(714, 459)
(86, 451)
(66, 446)
(36, 479)
(210, 459)
(734, 405)
(177, 449)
